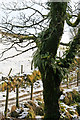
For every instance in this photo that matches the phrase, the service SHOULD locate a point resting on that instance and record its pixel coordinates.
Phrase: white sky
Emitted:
(29, 0)
(65, 37)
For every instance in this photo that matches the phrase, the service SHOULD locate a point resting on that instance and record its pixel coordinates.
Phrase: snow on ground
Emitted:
(38, 86)
(16, 62)
(62, 97)
(71, 89)
(23, 114)
(66, 106)
(69, 108)
(22, 91)
(38, 117)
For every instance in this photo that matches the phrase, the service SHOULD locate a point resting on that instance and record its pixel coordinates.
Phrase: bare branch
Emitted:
(19, 36)
(6, 50)
(19, 9)
(25, 45)
(18, 53)
(75, 23)
(25, 26)
(64, 44)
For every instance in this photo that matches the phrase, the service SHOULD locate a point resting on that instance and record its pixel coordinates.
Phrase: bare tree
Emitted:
(22, 23)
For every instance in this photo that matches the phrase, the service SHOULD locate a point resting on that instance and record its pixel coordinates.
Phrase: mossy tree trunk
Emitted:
(51, 92)
(50, 73)
(53, 69)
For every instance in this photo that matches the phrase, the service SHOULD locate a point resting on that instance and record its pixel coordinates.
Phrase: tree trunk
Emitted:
(31, 91)
(51, 94)
(6, 104)
(17, 96)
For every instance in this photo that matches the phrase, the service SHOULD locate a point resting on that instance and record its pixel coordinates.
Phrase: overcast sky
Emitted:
(66, 36)
(33, 0)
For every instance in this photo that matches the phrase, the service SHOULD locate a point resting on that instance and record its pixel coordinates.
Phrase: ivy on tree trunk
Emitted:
(53, 70)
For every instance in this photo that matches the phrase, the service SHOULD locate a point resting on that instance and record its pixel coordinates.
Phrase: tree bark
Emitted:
(51, 94)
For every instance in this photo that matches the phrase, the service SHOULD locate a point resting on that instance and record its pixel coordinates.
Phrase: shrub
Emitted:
(69, 95)
(75, 96)
(31, 114)
(39, 111)
(14, 114)
(66, 100)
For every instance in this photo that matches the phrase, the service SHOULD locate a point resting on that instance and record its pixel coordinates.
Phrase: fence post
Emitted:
(7, 96)
(21, 69)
